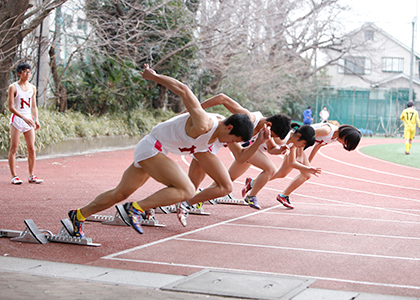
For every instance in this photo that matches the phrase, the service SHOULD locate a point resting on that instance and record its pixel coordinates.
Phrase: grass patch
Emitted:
(395, 153)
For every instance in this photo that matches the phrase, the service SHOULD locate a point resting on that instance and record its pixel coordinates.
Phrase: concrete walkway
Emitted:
(35, 279)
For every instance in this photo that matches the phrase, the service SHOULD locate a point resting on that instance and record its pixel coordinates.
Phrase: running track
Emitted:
(356, 227)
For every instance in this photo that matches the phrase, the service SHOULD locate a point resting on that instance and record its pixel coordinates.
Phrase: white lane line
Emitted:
(347, 218)
(383, 161)
(301, 249)
(328, 231)
(344, 189)
(372, 182)
(272, 273)
(368, 169)
(187, 233)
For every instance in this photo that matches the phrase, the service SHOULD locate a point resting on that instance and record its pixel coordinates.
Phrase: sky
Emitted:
(394, 17)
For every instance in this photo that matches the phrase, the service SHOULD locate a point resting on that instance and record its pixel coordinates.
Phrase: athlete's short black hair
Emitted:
(22, 67)
(307, 133)
(280, 124)
(410, 104)
(350, 135)
(242, 126)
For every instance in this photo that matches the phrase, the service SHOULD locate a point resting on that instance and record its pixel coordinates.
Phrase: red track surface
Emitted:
(356, 227)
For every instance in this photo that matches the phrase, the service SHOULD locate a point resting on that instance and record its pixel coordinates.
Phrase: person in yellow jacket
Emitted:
(410, 117)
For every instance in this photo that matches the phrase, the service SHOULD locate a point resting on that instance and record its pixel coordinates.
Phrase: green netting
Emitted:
(375, 111)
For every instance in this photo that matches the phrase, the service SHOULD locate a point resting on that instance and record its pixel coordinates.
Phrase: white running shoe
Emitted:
(16, 180)
(34, 179)
(181, 213)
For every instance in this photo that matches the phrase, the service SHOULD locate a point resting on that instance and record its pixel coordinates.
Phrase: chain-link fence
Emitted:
(373, 111)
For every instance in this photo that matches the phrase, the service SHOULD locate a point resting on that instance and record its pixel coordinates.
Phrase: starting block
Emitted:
(32, 234)
(120, 216)
(230, 200)
(195, 209)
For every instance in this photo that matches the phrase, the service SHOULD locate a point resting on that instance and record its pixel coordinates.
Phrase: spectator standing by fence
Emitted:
(307, 116)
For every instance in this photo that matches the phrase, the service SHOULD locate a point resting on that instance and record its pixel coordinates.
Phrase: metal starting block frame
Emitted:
(118, 220)
(32, 234)
(193, 209)
(229, 199)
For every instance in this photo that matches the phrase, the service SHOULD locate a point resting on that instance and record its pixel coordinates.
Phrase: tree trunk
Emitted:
(60, 90)
(175, 103)
(11, 20)
(160, 101)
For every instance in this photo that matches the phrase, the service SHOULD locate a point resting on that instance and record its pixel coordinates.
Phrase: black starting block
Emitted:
(32, 234)
(120, 217)
(229, 199)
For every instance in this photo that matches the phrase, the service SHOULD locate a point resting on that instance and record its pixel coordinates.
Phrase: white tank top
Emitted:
(258, 116)
(23, 100)
(172, 136)
(324, 140)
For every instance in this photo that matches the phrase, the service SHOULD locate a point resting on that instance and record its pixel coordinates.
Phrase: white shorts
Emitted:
(19, 124)
(148, 147)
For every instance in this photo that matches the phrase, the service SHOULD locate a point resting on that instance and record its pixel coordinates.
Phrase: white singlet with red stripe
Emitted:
(324, 140)
(171, 134)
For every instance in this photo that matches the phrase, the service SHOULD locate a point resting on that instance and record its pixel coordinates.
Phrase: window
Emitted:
(369, 35)
(392, 64)
(81, 24)
(354, 65)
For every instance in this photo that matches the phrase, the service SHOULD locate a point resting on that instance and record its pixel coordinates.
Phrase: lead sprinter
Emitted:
(191, 133)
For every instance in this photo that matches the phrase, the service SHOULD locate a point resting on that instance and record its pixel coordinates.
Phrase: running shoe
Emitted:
(248, 186)
(77, 225)
(407, 153)
(16, 180)
(34, 179)
(134, 217)
(252, 202)
(182, 214)
(285, 201)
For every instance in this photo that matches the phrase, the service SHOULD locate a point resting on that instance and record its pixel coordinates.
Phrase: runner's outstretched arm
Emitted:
(201, 123)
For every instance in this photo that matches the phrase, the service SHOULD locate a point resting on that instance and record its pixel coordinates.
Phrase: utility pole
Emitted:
(410, 93)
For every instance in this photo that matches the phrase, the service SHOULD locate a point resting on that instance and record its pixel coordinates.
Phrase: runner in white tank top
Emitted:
(325, 133)
(183, 134)
(24, 119)
(280, 125)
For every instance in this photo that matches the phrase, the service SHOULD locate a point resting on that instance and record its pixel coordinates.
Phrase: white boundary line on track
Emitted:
(186, 233)
(271, 273)
(369, 169)
(302, 249)
(370, 181)
(179, 237)
(354, 204)
(341, 188)
(381, 160)
(326, 231)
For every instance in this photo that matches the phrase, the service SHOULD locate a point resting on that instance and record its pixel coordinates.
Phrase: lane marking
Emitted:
(301, 249)
(373, 182)
(382, 160)
(348, 218)
(369, 169)
(327, 231)
(187, 233)
(272, 273)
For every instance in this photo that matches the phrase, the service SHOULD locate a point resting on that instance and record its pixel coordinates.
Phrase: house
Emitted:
(369, 80)
(372, 59)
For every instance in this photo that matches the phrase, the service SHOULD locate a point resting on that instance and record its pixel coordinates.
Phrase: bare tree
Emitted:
(266, 50)
(18, 18)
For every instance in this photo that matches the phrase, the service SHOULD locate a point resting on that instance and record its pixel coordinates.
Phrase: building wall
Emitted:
(374, 50)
